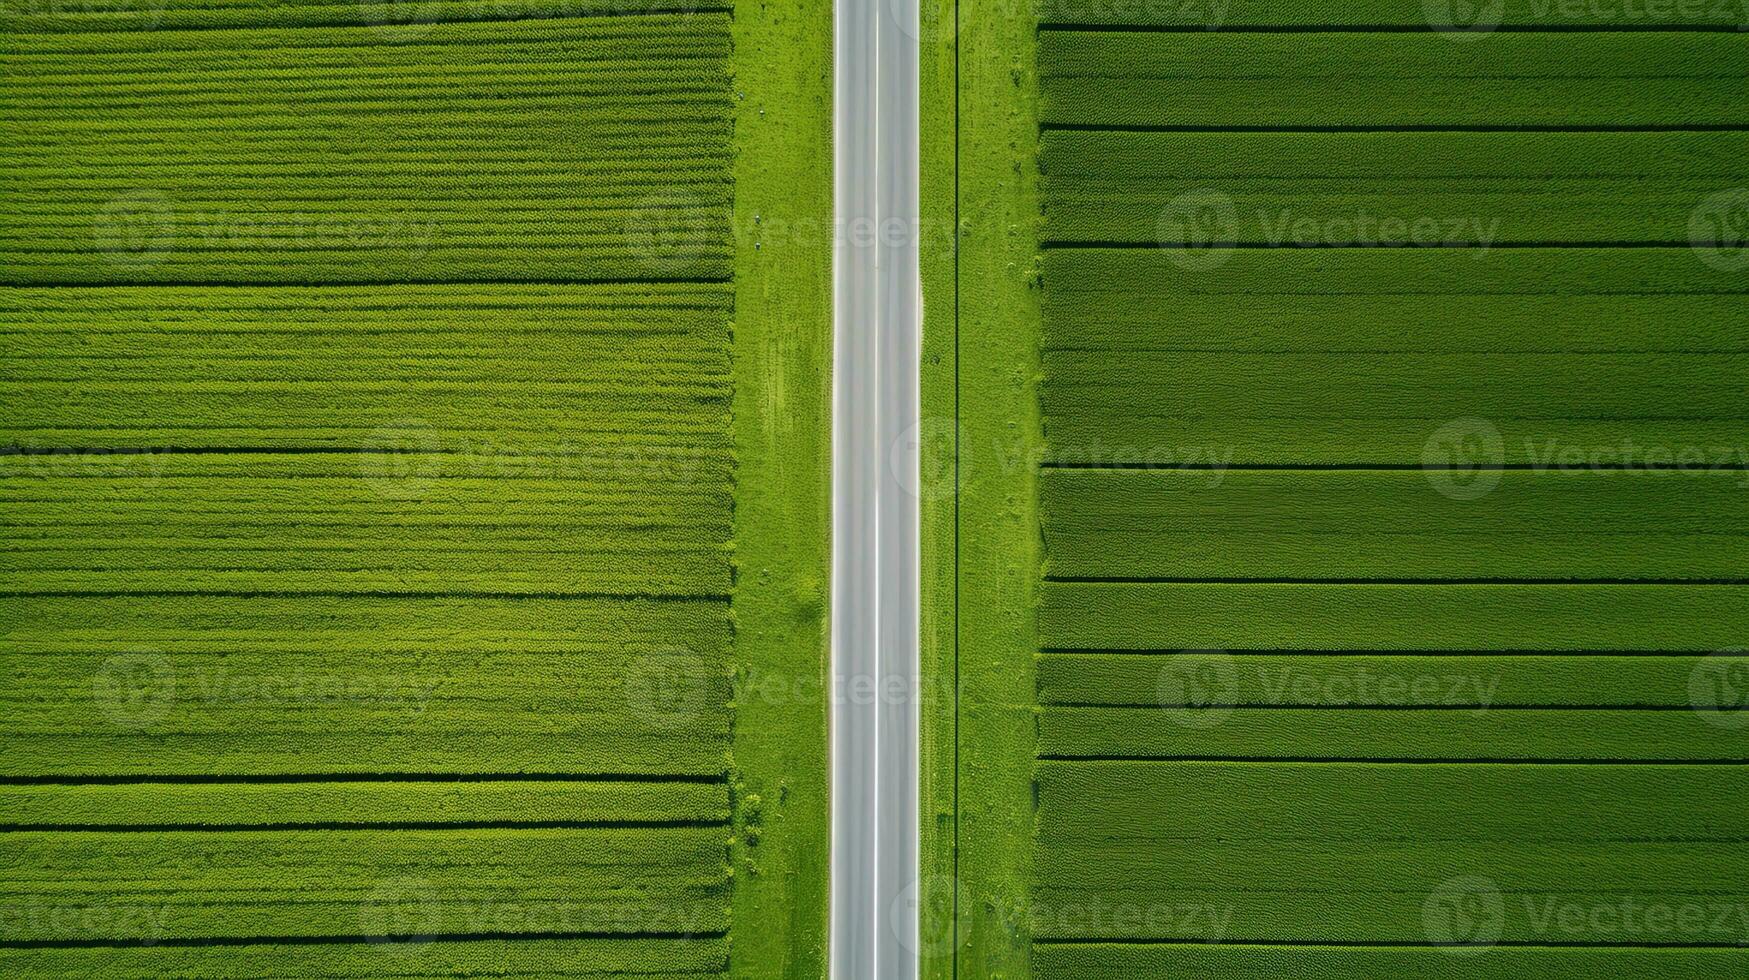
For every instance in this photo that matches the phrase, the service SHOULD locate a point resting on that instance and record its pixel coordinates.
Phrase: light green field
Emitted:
(414, 444)
(526, 150)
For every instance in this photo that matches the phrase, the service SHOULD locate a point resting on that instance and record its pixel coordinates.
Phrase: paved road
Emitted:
(875, 537)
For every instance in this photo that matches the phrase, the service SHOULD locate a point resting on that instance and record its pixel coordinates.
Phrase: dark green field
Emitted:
(1347, 574)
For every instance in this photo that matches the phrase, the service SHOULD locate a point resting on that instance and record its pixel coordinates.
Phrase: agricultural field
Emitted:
(1350, 435)
(415, 444)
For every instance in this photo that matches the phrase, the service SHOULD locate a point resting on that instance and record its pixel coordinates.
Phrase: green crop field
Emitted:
(414, 471)
(414, 442)
(1350, 431)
